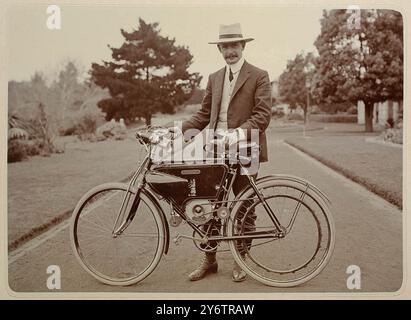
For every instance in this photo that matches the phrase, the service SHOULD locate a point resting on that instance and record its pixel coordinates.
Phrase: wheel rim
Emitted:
(121, 260)
(285, 264)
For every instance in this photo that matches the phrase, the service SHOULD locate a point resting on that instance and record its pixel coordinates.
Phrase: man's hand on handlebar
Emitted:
(175, 132)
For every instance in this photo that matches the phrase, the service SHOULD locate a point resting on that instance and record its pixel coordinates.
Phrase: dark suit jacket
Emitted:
(249, 107)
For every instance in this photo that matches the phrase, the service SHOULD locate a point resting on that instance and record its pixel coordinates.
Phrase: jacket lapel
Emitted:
(242, 77)
(218, 85)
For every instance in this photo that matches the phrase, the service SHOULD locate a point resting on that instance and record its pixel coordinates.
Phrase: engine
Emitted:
(199, 211)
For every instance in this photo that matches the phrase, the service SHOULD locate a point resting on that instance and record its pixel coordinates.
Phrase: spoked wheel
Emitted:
(308, 240)
(123, 259)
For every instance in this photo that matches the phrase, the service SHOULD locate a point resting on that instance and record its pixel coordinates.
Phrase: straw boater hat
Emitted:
(230, 33)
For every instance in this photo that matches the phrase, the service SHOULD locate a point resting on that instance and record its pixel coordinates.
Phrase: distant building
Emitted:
(383, 111)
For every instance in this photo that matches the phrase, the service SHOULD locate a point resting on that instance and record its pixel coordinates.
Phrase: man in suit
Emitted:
(237, 100)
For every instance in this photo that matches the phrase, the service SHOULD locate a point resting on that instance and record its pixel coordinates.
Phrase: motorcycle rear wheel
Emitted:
(308, 243)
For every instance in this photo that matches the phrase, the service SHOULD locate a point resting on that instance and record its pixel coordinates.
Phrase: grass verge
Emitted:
(37, 231)
(354, 174)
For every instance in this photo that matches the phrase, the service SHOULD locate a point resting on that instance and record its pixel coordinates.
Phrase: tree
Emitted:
(292, 87)
(361, 60)
(44, 120)
(76, 102)
(148, 75)
(68, 89)
(66, 106)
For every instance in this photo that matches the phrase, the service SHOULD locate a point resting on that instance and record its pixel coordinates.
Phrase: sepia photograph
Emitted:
(204, 149)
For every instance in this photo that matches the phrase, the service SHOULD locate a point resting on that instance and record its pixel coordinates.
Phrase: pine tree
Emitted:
(148, 74)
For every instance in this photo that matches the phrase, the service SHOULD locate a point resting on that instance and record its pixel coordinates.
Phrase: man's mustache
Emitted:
(232, 55)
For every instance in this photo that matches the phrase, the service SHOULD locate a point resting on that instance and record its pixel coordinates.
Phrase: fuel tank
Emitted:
(183, 182)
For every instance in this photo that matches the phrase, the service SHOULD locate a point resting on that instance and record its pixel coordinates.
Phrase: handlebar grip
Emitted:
(144, 136)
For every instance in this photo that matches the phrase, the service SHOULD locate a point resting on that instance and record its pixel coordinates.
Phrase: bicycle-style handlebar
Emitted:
(152, 135)
(218, 147)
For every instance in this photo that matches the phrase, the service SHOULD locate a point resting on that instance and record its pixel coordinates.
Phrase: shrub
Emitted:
(389, 123)
(335, 107)
(341, 118)
(32, 147)
(393, 135)
(18, 133)
(16, 151)
(295, 116)
(39, 147)
(398, 124)
(45, 149)
(352, 110)
(277, 113)
(68, 127)
(83, 122)
(316, 111)
(91, 137)
(88, 120)
(112, 129)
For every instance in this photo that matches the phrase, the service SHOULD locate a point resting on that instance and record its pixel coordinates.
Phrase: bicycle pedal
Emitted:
(177, 240)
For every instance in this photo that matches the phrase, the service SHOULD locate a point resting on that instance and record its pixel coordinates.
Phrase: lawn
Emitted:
(46, 188)
(345, 149)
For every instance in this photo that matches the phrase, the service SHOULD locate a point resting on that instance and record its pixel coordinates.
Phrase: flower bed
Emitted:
(393, 135)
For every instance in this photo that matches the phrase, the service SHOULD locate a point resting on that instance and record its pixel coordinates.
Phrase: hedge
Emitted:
(346, 118)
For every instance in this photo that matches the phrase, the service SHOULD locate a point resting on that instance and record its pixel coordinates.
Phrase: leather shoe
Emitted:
(203, 269)
(238, 274)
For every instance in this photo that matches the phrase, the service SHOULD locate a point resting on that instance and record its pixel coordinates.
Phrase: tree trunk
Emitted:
(148, 119)
(369, 108)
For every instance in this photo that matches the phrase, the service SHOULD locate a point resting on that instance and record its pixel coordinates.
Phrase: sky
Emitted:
(280, 33)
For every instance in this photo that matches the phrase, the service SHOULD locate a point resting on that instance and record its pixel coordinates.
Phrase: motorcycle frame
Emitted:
(138, 181)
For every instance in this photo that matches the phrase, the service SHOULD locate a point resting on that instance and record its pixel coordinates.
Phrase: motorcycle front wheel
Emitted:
(116, 259)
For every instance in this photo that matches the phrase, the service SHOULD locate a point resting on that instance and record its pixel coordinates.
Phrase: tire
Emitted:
(127, 258)
(307, 246)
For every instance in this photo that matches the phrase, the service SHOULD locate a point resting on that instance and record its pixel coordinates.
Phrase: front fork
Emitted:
(122, 223)
(280, 228)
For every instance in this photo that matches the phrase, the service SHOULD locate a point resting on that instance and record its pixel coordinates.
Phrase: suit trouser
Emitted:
(248, 225)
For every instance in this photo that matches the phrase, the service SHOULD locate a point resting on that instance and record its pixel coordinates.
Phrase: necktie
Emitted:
(231, 76)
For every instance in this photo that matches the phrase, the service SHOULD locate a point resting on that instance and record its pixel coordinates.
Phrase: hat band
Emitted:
(227, 36)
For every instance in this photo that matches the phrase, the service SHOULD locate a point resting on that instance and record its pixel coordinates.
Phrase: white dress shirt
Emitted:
(228, 88)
